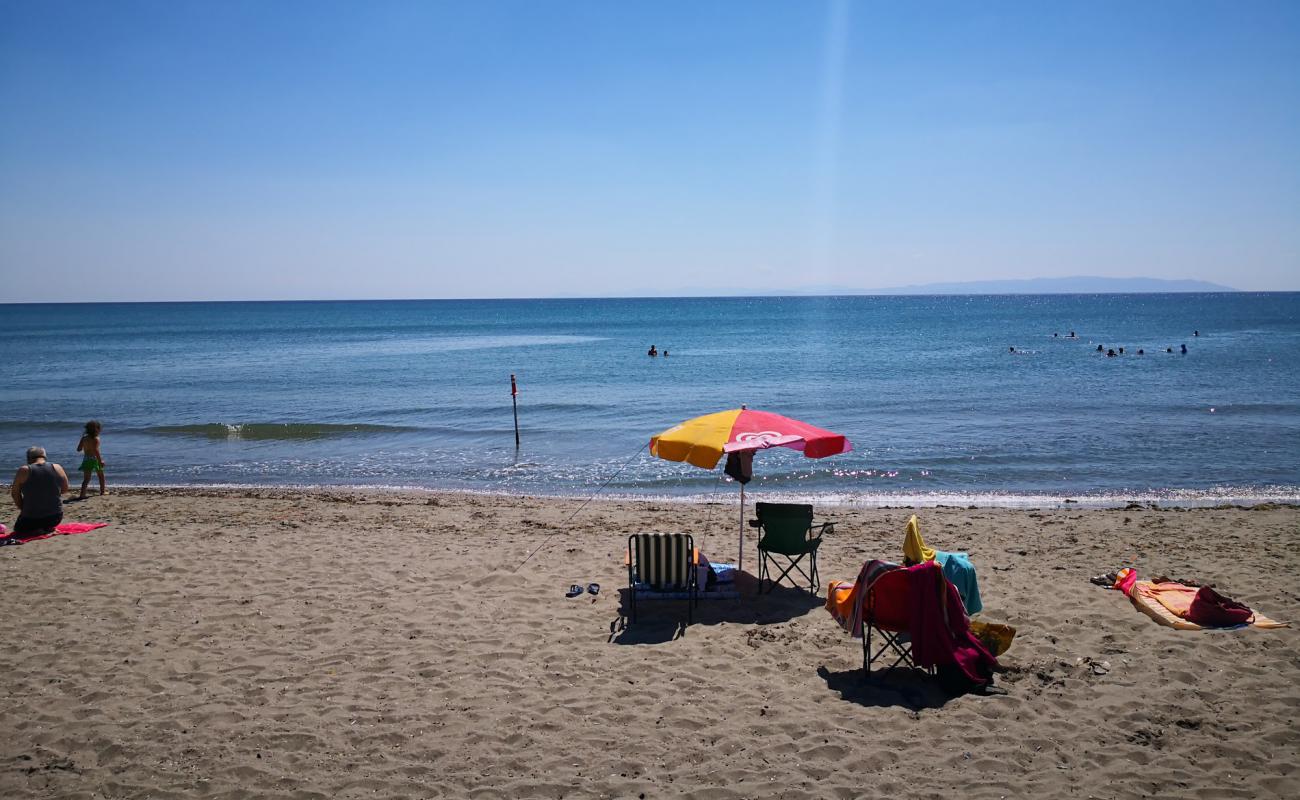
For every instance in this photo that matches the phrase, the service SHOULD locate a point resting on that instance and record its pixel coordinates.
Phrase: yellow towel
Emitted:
(914, 549)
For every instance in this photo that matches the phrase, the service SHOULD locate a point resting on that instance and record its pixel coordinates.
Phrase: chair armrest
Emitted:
(755, 523)
(824, 528)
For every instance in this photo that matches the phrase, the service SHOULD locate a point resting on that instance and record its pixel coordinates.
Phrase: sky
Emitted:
(179, 150)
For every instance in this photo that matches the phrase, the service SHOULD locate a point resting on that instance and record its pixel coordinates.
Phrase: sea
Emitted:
(417, 394)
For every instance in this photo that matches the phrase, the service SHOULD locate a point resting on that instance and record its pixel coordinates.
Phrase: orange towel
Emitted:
(1173, 596)
(840, 599)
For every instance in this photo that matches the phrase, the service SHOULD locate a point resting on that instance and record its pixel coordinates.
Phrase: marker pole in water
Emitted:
(514, 393)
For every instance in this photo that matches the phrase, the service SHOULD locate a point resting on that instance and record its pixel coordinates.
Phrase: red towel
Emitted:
(63, 529)
(1213, 609)
(940, 628)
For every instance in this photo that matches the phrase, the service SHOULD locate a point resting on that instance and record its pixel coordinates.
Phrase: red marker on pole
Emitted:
(514, 392)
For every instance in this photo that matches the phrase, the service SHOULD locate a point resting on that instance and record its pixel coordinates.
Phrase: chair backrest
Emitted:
(889, 601)
(785, 526)
(663, 560)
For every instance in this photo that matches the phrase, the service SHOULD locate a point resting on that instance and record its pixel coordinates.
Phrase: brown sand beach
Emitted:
(267, 643)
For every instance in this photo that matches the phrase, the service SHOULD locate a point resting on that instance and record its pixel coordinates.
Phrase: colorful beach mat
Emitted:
(1172, 604)
(64, 529)
(1167, 603)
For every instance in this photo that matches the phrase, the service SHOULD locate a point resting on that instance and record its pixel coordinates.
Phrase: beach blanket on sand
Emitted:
(1174, 604)
(64, 529)
(1170, 603)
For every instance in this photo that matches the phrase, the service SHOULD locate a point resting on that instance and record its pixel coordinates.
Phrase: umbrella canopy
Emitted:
(703, 440)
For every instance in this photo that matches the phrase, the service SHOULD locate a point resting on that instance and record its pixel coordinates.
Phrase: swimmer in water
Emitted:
(1100, 349)
(1169, 349)
(1121, 350)
(1141, 352)
(1055, 335)
(1072, 336)
(1196, 333)
(652, 352)
(1110, 353)
(1011, 349)
(1184, 349)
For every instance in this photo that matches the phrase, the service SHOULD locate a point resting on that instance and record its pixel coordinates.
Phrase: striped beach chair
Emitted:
(662, 566)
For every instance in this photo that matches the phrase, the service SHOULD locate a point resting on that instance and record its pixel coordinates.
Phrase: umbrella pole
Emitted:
(740, 559)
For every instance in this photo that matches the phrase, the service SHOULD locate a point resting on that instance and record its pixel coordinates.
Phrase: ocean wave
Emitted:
(1243, 497)
(274, 430)
(31, 424)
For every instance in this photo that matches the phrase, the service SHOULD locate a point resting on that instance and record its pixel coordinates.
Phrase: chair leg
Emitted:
(794, 566)
(866, 653)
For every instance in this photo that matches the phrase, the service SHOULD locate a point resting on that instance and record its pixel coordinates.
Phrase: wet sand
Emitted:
(268, 643)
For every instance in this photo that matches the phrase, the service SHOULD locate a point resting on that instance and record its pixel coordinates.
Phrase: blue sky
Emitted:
(263, 150)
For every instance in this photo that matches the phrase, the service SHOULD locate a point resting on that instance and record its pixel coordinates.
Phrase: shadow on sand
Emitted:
(661, 621)
(910, 688)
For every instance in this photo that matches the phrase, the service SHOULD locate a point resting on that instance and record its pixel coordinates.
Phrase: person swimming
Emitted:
(1196, 333)
(1121, 350)
(1184, 347)
(1110, 353)
(1100, 349)
(1072, 336)
(652, 352)
(1169, 349)
(1141, 352)
(1011, 349)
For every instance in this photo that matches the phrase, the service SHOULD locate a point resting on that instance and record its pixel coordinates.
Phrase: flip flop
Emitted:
(593, 588)
(574, 591)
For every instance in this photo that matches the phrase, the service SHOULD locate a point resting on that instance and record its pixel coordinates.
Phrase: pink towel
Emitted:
(78, 527)
(63, 529)
(940, 628)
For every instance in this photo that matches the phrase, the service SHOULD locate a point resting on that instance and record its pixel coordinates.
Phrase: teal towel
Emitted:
(961, 573)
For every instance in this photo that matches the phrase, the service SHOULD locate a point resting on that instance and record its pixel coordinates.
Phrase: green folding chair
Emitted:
(788, 533)
(662, 566)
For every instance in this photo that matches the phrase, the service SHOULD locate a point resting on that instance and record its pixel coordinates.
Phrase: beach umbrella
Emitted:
(739, 433)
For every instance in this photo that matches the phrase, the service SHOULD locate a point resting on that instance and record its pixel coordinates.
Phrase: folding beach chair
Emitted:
(788, 532)
(887, 613)
(662, 566)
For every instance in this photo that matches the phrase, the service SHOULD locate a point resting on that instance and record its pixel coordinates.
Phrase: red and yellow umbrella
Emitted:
(702, 441)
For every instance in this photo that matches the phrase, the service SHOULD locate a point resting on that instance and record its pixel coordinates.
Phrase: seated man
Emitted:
(38, 490)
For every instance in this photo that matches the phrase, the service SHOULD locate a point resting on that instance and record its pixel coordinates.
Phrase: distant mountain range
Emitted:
(1077, 285)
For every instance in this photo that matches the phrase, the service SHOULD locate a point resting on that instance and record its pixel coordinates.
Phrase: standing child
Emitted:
(93, 461)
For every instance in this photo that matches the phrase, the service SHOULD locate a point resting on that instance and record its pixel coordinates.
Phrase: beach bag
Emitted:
(995, 638)
(1213, 609)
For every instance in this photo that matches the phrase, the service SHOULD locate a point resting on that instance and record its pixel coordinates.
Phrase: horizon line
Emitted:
(775, 296)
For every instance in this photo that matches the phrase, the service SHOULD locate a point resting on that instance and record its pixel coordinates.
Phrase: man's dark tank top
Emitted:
(42, 492)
